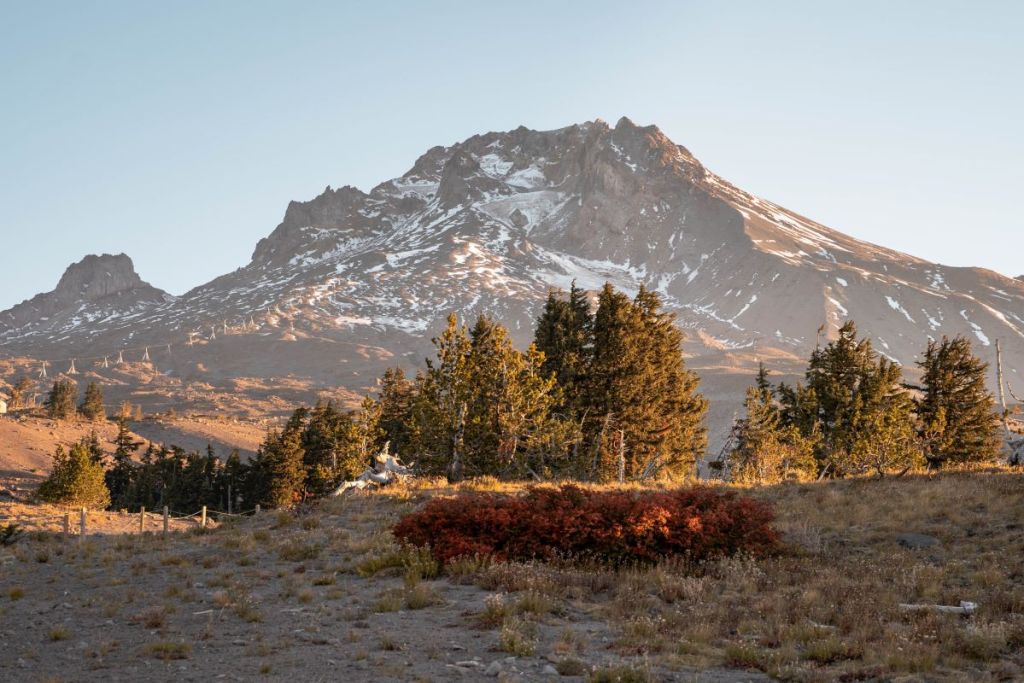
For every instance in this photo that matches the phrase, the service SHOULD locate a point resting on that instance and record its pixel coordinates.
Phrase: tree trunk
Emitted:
(598, 443)
(455, 466)
(622, 457)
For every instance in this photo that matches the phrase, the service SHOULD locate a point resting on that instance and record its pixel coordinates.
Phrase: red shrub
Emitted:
(616, 526)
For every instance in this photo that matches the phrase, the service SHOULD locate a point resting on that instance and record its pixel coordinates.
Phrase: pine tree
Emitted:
(442, 392)
(765, 451)
(564, 334)
(92, 407)
(957, 415)
(855, 408)
(121, 474)
(395, 401)
(60, 403)
(510, 429)
(335, 448)
(277, 474)
(234, 479)
(486, 408)
(92, 442)
(75, 480)
(646, 417)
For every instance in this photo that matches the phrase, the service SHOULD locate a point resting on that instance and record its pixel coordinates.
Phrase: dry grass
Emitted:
(825, 609)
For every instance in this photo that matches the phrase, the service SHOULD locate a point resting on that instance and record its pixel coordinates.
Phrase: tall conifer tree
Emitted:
(60, 403)
(92, 407)
(853, 404)
(765, 450)
(957, 414)
(646, 417)
(565, 335)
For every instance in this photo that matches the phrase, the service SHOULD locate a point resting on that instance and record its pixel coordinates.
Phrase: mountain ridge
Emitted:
(351, 281)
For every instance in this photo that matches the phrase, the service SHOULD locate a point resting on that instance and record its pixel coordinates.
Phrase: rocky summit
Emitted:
(95, 288)
(351, 281)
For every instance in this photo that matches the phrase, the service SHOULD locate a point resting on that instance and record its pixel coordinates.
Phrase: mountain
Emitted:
(92, 291)
(350, 281)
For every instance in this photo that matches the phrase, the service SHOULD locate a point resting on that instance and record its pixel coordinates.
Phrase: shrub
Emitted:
(610, 526)
(58, 633)
(169, 650)
(76, 479)
(9, 534)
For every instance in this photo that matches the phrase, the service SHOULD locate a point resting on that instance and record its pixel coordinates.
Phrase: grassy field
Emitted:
(326, 594)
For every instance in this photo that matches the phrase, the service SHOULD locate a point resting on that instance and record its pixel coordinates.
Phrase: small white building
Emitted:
(3, 407)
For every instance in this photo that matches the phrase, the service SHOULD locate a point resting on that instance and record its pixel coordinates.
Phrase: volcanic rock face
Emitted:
(96, 287)
(352, 281)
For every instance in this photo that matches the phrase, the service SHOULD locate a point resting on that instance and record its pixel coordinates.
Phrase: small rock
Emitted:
(917, 541)
(493, 669)
(549, 670)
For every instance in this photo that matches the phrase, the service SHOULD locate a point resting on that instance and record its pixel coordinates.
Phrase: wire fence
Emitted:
(81, 522)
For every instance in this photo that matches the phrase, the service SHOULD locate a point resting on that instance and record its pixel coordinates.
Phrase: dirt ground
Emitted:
(325, 594)
(279, 597)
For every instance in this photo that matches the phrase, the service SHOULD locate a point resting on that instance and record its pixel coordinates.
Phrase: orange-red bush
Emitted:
(616, 526)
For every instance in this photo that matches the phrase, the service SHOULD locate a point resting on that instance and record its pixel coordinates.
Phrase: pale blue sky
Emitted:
(177, 132)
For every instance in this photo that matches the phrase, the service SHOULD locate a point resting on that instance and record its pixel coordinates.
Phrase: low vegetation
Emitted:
(615, 527)
(823, 605)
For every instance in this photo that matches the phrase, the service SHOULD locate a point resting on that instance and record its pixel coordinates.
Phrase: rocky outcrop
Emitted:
(97, 277)
(96, 283)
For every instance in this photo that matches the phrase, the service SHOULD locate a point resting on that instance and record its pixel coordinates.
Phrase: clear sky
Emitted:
(178, 131)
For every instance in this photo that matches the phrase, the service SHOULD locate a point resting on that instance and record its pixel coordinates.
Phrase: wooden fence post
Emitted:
(202, 520)
(81, 526)
(142, 519)
(67, 524)
(167, 521)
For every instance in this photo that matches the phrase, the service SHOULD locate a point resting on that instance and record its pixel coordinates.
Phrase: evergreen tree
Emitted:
(234, 480)
(510, 428)
(486, 408)
(395, 401)
(336, 446)
(442, 393)
(60, 403)
(564, 334)
(646, 417)
(92, 407)
(957, 414)
(92, 442)
(121, 474)
(765, 451)
(75, 479)
(854, 407)
(196, 480)
(277, 474)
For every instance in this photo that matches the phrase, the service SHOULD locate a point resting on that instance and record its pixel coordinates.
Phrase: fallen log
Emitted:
(386, 469)
(963, 608)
